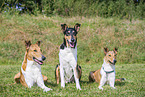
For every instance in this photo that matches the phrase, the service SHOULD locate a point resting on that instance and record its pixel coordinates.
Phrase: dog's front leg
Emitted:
(62, 76)
(103, 79)
(29, 82)
(111, 78)
(41, 84)
(76, 76)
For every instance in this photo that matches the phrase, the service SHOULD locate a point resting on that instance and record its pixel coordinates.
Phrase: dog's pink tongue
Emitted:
(71, 44)
(38, 62)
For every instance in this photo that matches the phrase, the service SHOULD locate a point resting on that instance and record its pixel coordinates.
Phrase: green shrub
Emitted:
(104, 8)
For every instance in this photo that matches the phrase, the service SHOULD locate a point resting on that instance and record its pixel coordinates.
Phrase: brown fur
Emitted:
(19, 77)
(67, 36)
(95, 76)
(57, 73)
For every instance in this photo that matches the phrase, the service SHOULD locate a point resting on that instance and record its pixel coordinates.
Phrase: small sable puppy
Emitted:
(30, 72)
(68, 70)
(107, 71)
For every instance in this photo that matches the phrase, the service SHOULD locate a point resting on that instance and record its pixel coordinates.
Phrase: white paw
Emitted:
(62, 86)
(113, 87)
(47, 89)
(78, 87)
(100, 88)
(29, 86)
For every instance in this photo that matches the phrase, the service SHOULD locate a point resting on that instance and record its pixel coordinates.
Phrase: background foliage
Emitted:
(104, 8)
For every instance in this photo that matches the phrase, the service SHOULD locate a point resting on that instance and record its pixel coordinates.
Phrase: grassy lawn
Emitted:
(134, 86)
(95, 34)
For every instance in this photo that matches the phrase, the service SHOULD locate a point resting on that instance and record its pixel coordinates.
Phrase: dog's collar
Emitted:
(107, 71)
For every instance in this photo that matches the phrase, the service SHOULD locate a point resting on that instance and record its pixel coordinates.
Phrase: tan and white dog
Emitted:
(30, 72)
(107, 71)
(68, 70)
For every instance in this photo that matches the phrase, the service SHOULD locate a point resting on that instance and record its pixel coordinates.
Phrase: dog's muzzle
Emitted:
(113, 63)
(39, 61)
(71, 43)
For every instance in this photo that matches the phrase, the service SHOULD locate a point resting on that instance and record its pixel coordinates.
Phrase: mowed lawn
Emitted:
(95, 34)
(133, 86)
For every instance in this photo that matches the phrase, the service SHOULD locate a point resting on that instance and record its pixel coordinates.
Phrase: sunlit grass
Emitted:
(95, 34)
(132, 86)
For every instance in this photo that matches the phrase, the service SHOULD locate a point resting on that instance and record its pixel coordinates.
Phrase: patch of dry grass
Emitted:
(95, 34)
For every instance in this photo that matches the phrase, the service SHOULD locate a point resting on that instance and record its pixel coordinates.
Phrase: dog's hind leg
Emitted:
(76, 76)
(17, 78)
(57, 74)
(121, 79)
(45, 78)
(79, 72)
(91, 77)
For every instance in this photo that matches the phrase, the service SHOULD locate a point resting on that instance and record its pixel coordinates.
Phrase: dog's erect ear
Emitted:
(77, 27)
(27, 44)
(63, 27)
(106, 50)
(38, 43)
(115, 50)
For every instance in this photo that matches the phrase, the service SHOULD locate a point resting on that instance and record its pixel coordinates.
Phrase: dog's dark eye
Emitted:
(35, 50)
(74, 33)
(67, 33)
(109, 55)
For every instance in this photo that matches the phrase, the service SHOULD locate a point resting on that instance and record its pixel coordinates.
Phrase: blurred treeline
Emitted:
(104, 8)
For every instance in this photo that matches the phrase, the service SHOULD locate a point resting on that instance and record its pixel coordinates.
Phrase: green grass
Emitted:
(95, 34)
(133, 86)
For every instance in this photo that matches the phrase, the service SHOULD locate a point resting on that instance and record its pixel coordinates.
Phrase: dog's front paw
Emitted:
(113, 87)
(47, 89)
(62, 85)
(78, 87)
(100, 88)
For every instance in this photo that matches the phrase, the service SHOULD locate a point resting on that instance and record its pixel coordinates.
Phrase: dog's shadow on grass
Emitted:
(116, 83)
(120, 83)
(50, 84)
(86, 82)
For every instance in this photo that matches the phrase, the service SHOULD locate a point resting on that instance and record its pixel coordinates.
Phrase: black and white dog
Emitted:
(68, 70)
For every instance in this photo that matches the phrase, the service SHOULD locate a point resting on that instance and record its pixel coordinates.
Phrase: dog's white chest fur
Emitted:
(68, 54)
(107, 74)
(32, 73)
(108, 67)
(68, 60)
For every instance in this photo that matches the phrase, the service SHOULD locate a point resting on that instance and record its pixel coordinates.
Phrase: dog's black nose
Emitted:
(72, 40)
(43, 57)
(115, 61)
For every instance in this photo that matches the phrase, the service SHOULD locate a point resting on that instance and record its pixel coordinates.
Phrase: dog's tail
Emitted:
(120, 79)
(91, 77)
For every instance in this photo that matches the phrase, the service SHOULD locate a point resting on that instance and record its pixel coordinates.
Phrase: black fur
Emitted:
(63, 45)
